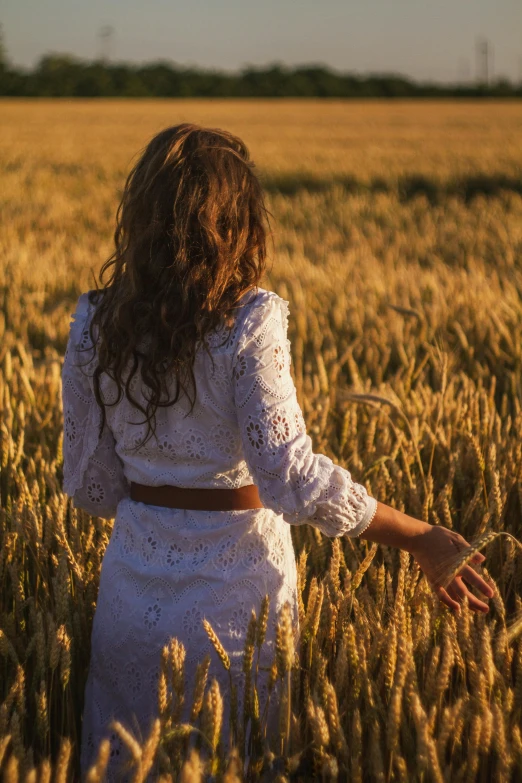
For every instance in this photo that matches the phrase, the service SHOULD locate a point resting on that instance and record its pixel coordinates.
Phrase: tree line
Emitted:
(63, 76)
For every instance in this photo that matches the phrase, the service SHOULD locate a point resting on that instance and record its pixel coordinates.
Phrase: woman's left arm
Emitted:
(92, 470)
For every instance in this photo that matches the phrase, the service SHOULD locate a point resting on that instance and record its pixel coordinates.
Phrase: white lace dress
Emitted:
(165, 569)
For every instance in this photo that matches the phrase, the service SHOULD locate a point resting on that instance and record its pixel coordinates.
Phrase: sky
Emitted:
(423, 39)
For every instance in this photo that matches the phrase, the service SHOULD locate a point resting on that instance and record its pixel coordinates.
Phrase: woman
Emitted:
(183, 424)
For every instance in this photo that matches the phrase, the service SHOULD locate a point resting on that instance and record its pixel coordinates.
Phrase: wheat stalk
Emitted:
(223, 657)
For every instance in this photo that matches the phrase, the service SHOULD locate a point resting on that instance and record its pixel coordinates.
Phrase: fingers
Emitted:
(476, 580)
(454, 594)
(447, 599)
(457, 590)
(449, 596)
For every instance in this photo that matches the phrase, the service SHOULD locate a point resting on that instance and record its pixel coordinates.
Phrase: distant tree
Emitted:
(502, 88)
(56, 75)
(62, 75)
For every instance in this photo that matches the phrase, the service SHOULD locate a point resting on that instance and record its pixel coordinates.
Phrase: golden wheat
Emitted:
(398, 241)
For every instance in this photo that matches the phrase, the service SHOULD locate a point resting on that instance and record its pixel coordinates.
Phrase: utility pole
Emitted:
(105, 34)
(3, 57)
(483, 61)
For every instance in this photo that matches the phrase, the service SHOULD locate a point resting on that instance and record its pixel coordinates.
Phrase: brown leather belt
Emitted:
(210, 499)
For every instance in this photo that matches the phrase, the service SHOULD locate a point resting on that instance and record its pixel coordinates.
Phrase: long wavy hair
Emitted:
(190, 240)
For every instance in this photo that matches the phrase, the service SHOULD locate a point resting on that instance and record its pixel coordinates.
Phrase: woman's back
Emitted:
(165, 570)
(198, 448)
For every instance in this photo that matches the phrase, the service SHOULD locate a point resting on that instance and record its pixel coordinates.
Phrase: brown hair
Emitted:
(190, 240)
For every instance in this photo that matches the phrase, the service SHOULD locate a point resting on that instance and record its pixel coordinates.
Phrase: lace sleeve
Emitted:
(92, 470)
(293, 481)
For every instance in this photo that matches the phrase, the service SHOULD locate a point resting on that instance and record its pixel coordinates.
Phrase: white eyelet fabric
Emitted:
(164, 569)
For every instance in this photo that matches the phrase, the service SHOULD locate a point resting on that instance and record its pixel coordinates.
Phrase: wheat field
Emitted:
(397, 239)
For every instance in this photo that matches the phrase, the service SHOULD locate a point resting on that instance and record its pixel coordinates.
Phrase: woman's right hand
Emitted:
(438, 546)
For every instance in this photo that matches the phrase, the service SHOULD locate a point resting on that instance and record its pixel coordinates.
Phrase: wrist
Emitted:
(393, 528)
(415, 537)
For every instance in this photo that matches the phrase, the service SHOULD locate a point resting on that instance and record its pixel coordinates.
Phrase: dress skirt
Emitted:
(164, 571)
